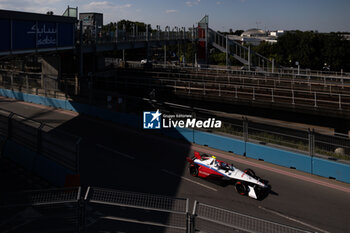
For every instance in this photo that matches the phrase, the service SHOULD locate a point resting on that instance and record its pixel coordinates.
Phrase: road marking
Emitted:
(115, 151)
(293, 219)
(272, 169)
(184, 178)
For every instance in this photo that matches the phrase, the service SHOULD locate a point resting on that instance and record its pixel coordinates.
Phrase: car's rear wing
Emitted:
(196, 156)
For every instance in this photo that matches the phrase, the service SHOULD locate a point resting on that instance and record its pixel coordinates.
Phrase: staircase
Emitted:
(240, 52)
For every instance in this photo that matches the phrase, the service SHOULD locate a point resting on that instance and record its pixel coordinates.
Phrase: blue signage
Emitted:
(21, 36)
(30, 35)
(65, 34)
(5, 42)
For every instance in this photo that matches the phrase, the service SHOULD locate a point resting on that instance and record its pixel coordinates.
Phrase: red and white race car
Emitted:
(246, 183)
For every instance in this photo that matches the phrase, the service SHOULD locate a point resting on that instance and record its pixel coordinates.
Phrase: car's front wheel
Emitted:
(241, 188)
(194, 170)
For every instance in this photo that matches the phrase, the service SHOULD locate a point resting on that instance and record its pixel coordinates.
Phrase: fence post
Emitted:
(39, 138)
(193, 135)
(27, 83)
(315, 99)
(76, 80)
(245, 134)
(311, 134)
(273, 100)
(81, 213)
(193, 218)
(77, 155)
(9, 125)
(11, 77)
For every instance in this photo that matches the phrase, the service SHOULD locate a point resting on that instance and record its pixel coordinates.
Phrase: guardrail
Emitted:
(125, 36)
(98, 209)
(208, 218)
(41, 211)
(136, 211)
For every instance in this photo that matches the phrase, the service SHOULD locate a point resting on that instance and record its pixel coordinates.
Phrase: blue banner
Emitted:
(36, 35)
(23, 35)
(65, 34)
(5, 42)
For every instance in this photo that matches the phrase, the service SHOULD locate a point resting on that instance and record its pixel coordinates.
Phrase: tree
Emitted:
(129, 25)
(310, 49)
(238, 32)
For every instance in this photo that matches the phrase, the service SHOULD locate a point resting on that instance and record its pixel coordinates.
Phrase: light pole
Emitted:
(158, 32)
(167, 29)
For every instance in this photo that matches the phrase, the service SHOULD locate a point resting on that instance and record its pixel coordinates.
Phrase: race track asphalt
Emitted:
(113, 156)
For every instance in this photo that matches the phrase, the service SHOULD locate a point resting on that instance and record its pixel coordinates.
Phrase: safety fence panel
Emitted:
(216, 220)
(334, 147)
(4, 120)
(61, 147)
(283, 136)
(55, 210)
(54, 144)
(134, 212)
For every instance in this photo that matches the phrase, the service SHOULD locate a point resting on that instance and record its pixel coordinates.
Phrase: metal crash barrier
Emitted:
(213, 219)
(106, 210)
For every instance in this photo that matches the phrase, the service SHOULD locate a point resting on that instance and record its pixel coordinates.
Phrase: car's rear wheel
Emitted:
(241, 188)
(250, 172)
(194, 170)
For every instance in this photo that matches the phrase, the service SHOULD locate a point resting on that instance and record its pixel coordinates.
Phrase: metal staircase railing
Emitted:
(240, 52)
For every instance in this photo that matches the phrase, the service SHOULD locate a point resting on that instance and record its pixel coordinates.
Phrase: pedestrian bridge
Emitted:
(25, 33)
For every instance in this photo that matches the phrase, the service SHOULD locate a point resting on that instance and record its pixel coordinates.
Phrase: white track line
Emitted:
(184, 178)
(293, 219)
(115, 151)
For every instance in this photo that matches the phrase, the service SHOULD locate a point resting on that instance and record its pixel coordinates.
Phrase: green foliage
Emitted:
(111, 27)
(238, 32)
(217, 59)
(310, 49)
(129, 25)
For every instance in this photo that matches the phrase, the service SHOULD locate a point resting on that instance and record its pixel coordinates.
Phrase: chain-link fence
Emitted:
(212, 219)
(50, 142)
(313, 142)
(55, 210)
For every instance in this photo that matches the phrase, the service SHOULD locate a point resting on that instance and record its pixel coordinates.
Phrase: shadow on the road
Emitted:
(116, 157)
(131, 159)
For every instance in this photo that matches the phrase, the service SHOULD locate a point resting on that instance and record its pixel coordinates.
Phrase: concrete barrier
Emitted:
(219, 142)
(280, 157)
(331, 169)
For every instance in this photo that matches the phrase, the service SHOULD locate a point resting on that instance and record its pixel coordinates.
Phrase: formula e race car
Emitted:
(246, 183)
